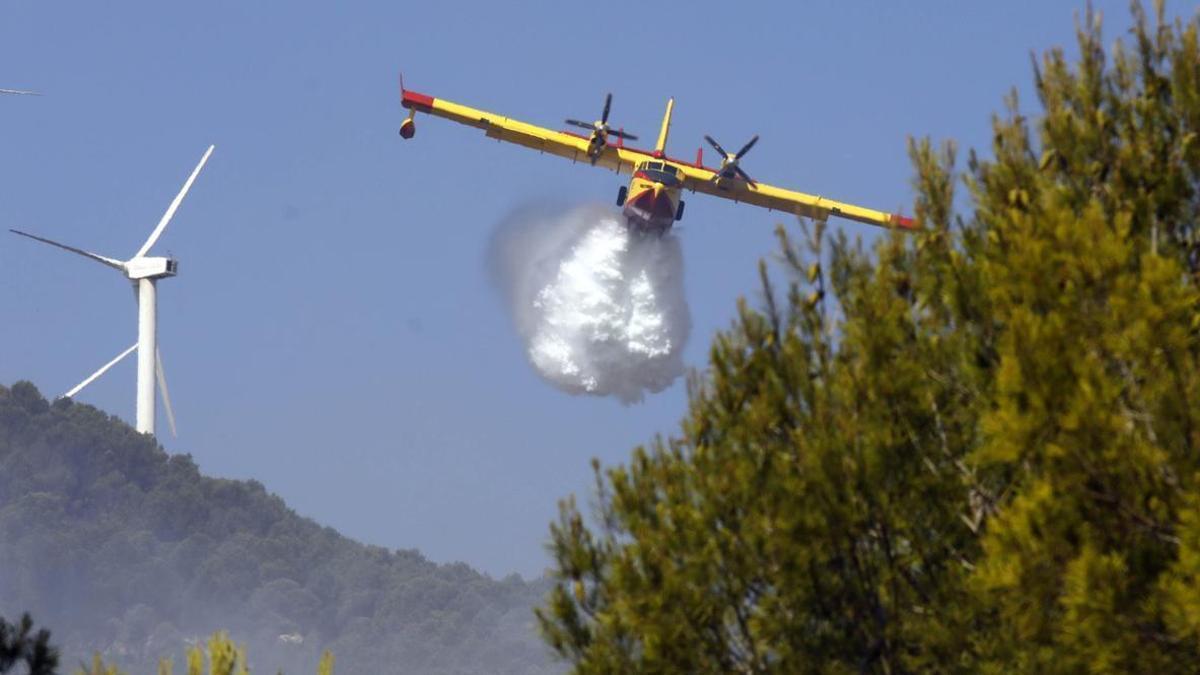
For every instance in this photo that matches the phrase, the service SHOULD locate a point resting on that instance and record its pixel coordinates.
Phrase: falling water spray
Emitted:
(601, 310)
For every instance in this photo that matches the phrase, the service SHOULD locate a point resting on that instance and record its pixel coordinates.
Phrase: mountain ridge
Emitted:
(122, 548)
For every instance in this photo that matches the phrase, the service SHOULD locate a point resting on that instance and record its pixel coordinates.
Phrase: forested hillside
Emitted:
(121, 548)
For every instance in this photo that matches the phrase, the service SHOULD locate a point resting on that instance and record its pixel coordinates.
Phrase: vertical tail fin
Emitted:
(666, 128)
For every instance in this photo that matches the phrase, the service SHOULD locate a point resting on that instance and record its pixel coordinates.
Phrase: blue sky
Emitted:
(332, 332)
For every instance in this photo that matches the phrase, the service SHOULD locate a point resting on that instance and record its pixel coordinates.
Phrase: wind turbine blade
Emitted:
(79, 387)
(162, 223)
(162, 389)
(117, 264)
(20, 92)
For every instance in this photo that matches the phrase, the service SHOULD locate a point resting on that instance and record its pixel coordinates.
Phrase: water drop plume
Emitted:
(601, 310)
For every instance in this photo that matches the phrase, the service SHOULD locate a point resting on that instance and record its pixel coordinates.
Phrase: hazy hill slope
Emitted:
(119, 547)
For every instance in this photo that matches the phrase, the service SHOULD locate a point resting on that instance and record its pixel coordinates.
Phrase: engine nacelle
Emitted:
(408, 129)
(596, 143)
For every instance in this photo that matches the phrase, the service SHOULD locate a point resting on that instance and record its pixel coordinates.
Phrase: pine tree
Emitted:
(20, 645)
(973, 448)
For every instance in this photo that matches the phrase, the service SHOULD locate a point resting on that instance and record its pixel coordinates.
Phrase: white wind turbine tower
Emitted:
(144, 271)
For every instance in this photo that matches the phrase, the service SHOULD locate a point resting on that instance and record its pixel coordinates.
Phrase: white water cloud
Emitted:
(601, 310)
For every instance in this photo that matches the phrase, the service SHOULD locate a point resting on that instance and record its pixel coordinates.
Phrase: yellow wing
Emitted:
(617, 157)
(614, 157)
(702, 179)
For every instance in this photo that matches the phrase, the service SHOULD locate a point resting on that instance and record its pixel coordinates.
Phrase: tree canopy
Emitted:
(971, 448)
(20, 645)
(130, 552)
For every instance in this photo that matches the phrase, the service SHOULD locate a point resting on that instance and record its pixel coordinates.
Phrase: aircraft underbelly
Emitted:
(649, 212)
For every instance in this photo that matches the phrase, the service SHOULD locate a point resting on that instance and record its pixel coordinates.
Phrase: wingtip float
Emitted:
(652, 201)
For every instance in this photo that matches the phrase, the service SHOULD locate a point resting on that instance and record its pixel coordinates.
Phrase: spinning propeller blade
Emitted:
(746, 147)
(729, 163)
(716, 145)
(600, 128)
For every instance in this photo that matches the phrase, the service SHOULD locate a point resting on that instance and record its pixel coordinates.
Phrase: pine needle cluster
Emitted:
(974, 448)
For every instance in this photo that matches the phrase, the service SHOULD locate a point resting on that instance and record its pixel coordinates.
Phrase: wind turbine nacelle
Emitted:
(151, 268)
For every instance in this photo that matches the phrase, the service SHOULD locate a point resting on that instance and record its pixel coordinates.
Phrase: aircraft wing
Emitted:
(615, 156)
(700, 179)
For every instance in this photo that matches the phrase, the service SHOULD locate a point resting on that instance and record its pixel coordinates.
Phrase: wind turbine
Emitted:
(19, 92)
(144, 271)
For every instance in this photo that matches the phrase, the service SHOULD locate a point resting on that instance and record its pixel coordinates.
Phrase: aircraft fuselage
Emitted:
(652, 201)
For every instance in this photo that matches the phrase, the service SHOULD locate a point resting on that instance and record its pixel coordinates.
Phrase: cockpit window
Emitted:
(660, 172)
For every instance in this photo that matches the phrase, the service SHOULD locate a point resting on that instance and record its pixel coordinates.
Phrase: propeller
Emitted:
(600, 126)
(729, 162)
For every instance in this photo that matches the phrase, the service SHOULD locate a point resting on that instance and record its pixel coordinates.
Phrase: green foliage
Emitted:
(223, 656)
(325, 667)
(19, 645)
(975, 449)
(99, 667)
(131, 551)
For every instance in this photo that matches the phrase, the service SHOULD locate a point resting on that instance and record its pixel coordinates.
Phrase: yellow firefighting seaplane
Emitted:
(652, 201)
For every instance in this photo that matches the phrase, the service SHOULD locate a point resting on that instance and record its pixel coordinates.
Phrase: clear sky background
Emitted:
(333, 332)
